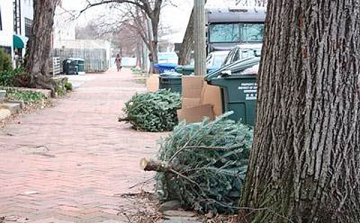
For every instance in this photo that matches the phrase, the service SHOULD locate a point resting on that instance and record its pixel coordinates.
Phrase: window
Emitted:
(236, 56)
(236, 32)
(252, 32)
(247, 53)
(7, 49)
(28, 26)
(209, 60)
(224, 33)
(218, 60)
(229, 57)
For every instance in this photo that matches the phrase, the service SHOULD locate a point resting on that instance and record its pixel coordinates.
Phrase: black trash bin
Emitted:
(238, 91)
(70, 66)
(170, 80)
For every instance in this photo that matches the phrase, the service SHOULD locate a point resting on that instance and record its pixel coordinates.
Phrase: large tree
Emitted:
(305, 161)
(39, 45)
(151, 8)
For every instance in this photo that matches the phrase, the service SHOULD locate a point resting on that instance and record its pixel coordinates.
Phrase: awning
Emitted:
(20, 41)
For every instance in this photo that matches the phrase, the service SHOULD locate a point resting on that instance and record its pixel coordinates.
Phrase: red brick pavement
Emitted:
(69, 163)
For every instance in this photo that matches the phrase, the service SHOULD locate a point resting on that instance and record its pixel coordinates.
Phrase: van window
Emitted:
(252, 32)
(236, 32)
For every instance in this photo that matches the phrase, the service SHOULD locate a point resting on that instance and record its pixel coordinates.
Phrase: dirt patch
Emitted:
(143, 207)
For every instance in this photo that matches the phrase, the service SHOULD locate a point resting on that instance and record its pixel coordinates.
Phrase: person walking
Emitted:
(118, 62)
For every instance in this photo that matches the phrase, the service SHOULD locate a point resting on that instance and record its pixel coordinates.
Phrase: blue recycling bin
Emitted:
(165, 67)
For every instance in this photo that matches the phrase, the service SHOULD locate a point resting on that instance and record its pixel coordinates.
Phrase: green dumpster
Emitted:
(238, 91)
(170, 80)
(70, 66)
(185, 69)
(189, 69)
(81, 65)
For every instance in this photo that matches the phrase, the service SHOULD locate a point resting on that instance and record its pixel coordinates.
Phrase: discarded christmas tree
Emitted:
(153, 112)
(203, 164)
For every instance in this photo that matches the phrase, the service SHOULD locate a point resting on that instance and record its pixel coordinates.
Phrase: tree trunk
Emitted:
(40, 44)
(188, 42)
(305, 161)
(155, 26)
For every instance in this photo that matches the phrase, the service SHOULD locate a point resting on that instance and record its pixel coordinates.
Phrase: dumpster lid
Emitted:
(234, 68)
(165, 65)
(192, 67)
(170, 75)
(73, 58)
(189, 67)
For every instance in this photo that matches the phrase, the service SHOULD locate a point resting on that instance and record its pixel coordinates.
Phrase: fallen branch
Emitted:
(123, 119)
(154, 165)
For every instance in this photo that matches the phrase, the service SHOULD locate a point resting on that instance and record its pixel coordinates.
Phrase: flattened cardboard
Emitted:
(196, 114)
(192, 86)
(152, 83)
(190, 102)
(212, 95)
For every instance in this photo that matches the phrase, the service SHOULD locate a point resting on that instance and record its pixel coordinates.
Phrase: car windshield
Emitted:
(236, 32)
(218, 60)
(246, 53)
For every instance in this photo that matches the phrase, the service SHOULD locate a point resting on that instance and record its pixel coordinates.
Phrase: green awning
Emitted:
(20, 41)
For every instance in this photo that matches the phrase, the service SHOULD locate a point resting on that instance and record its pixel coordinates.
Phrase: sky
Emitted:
(176, 17)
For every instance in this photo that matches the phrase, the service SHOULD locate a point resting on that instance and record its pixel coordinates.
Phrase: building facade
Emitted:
(6, 27)
(16, 17)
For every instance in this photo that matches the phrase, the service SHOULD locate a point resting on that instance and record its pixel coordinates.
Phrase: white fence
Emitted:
(95, 60)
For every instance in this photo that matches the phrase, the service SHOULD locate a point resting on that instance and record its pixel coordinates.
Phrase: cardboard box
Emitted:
(212, 95)
(199, 100)
(190, 102)
(192, 86)
(196, 114)
(152, 83)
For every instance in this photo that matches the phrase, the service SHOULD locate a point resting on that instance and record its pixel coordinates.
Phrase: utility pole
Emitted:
(199, 37)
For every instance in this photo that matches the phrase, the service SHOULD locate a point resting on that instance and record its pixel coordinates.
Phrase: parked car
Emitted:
(215, 59)
(213, 63)
(240, 67)
(241, 52)
(167, 58)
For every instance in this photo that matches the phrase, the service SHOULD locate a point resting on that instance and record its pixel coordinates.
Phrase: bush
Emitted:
(5, 61)
(7, 77)
(29, 97)
(207, 164)
(153, 112)
(68, 86)
(14, 78)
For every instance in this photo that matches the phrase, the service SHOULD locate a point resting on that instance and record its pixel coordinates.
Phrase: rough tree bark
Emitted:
(187, 46)
(188, 42)
(305, 162)
(40, 44)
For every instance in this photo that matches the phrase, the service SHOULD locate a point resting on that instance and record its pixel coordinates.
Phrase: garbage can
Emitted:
(70, 66)
(189, 69)
(238, 91)
(81, 65)
(170, 80)
(165, 67)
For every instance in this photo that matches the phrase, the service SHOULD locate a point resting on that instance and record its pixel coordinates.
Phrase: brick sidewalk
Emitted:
(69, 163)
